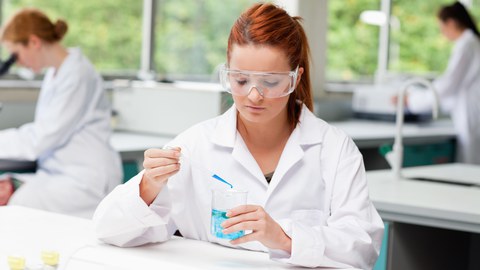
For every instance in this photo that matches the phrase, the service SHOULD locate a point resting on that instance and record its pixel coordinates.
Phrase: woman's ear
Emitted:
(299, 76)
(34, 42)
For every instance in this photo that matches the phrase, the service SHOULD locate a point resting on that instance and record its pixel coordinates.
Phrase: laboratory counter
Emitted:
(368, 133)
(429, 143)
(431, 224)
(432, 216)
(26, 232)
(444, 196)
(365, 133)
(130, 146)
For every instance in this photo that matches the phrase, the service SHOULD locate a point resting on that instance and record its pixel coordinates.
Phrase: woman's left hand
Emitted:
(264, 228)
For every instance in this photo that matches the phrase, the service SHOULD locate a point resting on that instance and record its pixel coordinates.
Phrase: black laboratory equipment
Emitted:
(5, 66)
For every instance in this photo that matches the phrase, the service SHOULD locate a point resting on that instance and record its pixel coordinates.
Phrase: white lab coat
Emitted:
(69, 139)
(459, 92)
(318, 194)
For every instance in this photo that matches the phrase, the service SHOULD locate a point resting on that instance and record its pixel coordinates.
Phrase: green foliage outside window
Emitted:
(191, 35)
(352, 45)
(416, 44)
(109, 32)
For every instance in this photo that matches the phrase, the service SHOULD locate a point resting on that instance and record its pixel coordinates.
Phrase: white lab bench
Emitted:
(131, 145)
(25, 231)
(365, 134)
(432, 225)
(368, 133)
(424, 143)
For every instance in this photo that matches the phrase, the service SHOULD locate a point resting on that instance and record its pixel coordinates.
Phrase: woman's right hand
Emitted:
(159, 165)
(6, 191)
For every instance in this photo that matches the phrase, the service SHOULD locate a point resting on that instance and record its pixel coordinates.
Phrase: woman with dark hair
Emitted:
(308, 200)
(459, 87)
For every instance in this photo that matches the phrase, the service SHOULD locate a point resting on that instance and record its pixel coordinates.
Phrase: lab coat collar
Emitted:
(226, 128)
(73, 56)
(309, 132)
(464, 38)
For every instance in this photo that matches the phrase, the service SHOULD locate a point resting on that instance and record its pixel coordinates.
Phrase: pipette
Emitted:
(201, 167)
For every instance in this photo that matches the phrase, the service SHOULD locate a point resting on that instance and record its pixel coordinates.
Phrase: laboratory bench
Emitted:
(131, 147)
(370, 133)
(424, 143)
(365, 133)
(431, 225)
(26, 232)
(432, 216)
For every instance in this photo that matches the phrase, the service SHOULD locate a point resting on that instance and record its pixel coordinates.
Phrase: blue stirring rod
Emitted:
(214, 175)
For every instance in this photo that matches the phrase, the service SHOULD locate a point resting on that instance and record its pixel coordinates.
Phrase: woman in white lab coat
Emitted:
(459, 87)
(69, 137)
(308, 201)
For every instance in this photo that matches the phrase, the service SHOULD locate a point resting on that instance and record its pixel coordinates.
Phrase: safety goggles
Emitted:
(268, 84)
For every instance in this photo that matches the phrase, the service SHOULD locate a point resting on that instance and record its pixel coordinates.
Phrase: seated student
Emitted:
(308, 201)
(69, 137)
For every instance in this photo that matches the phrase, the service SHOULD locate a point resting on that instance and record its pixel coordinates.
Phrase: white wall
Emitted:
(315, 21)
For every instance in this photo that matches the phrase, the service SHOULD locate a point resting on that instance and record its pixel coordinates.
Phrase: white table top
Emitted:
(27, 231)
(429, 203)
(368, 133)
(363, 132)
(123, 141)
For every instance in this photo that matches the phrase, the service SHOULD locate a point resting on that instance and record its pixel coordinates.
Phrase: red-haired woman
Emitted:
(308, 200)
(69, 137)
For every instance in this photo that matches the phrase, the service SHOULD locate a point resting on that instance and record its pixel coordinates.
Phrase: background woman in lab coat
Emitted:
(459, 87)
(69, 137)
(308, 200)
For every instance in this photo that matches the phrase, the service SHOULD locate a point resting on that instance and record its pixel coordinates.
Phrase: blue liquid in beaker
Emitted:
(218, 217)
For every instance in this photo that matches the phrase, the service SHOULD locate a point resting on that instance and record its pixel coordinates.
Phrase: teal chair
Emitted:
(130, 169)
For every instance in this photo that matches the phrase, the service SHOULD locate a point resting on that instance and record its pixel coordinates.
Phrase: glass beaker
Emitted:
(222, 201)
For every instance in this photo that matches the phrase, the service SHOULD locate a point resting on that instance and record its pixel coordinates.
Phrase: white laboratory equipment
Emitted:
(166, 108)
(374, 102)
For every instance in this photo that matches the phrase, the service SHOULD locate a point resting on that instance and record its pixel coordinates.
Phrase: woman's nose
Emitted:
(255, 94)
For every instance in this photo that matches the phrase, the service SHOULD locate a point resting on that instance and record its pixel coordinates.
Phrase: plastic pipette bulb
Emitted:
(214, 175)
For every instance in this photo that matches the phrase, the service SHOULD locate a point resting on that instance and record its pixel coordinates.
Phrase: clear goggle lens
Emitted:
(268, 84)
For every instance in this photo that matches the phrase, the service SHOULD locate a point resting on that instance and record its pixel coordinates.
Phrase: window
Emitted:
(191, 36)
(107, 31)
(352, 45)
(416, 44)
